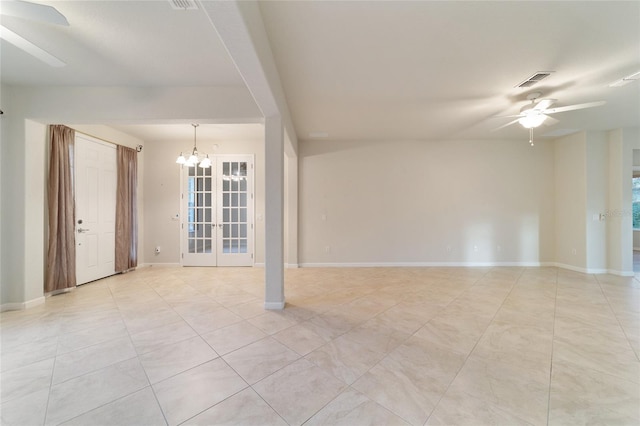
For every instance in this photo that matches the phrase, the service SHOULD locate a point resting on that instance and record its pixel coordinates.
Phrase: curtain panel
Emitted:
(126, 210)
(61, 252)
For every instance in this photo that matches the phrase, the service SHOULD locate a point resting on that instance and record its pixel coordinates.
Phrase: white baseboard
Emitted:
(580, 269)
(148, 265)
(422, 264)
(274, 306)
(22, 305)
(286, 265)
(621, 273)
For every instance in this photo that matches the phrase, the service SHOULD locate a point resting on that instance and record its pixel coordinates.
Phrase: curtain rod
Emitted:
(138, 148)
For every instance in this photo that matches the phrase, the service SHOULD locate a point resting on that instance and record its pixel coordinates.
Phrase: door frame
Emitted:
(217, 160)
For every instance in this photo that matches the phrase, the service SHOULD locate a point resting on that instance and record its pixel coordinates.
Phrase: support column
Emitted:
(274, 213)
(291, 187)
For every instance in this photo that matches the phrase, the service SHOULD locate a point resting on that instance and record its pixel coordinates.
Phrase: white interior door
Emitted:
(217, 213)
(95, 181)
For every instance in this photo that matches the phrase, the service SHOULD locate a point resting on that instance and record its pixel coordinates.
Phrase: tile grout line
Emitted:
(613, 311)
(553, 338)
(479, 338)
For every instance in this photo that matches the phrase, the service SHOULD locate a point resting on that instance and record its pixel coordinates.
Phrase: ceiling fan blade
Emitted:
(505, 125)
(33, 12)
(24, 44)
(549, 121)
(508, 116)
(544, 104)
(574, 107)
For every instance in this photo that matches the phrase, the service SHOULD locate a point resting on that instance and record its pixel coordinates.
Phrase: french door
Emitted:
(95, 181)
(217, 213)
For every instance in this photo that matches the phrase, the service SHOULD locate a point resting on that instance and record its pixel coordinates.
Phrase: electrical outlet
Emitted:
(475, 248)
(327, 249)
(574, 251)
(448, 249)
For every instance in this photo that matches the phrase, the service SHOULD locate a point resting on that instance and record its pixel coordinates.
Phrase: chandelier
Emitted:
(200, 159)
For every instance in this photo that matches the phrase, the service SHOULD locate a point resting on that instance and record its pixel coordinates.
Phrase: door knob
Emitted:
(81, 230)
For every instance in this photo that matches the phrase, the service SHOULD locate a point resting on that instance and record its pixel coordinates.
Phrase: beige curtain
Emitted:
(126, 210)
(61, 253)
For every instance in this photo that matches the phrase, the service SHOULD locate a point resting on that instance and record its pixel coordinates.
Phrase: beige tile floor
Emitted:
(396, 346)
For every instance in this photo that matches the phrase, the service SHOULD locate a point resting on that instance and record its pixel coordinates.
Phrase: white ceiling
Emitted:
(362, 69)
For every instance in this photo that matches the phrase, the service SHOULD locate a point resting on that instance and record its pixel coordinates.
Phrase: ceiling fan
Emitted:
(32, 12)
(537, 112)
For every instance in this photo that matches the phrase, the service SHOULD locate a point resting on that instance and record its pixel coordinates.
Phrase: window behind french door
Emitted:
(217, 213)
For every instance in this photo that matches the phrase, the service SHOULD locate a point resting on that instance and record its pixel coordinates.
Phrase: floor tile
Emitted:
(29, 409)
(82, 361)
(25, 380)
(583, 396)
(175, 358)
(299, 390)
(300, 338)
(345, 359)
(439, 345)
(401, 389)
(28, 353)
(86, 337)
(517, 391)
(85, 393)
(189, 393)
(245, 408)
(260, 359)
(232, 337)
(459, 408)
(353, 408)
(151, 340)
(139, 408)
(212, 321)
(271, 322)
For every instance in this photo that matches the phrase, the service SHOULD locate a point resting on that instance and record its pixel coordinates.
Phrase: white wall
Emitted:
(597, 168)
(571, 196)
(417, 202)
(162, 194)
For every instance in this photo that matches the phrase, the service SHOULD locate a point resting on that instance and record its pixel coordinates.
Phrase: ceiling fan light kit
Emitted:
(536, 113)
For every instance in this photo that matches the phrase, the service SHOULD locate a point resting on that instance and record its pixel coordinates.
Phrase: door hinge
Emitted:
(252, 196)
(252, 226)
(182, 196)
(183, 255)
(252, 255)
(252, 166)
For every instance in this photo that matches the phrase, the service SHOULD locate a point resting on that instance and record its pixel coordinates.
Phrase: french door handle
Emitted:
(220, 225)
(81, 230)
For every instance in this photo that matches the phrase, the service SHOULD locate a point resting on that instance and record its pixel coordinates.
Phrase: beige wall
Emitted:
(571, 196)
(597, 175)
(404, 202)
(162, 194)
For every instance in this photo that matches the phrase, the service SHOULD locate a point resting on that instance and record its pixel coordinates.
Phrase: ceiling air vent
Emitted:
(183, 4)
(537, 77)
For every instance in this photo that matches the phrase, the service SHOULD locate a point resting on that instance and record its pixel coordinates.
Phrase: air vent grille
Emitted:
(537, 77)
(183, 4)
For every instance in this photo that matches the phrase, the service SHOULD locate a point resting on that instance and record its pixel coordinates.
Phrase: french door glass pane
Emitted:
(199, 210)
(234, 206)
